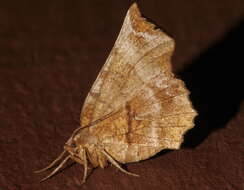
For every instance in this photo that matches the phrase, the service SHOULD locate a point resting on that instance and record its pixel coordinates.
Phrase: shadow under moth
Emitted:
(136, 107)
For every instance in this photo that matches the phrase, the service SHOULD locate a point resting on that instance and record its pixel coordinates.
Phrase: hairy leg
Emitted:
(85, 167)
(115, 163)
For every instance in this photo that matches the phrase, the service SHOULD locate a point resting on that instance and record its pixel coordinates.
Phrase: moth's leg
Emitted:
(85, 167)
(115, 163)
(56, 170)
(52, 164)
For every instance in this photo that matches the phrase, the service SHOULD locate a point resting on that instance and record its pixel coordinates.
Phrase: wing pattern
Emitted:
(152, 107)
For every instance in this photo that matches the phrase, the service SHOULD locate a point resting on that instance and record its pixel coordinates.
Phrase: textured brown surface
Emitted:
(50, 54)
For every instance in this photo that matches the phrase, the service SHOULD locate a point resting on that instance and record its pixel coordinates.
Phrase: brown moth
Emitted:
(136, 107)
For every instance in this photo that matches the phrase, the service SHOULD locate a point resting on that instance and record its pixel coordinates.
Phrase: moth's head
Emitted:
(75, 150)
(71, 147)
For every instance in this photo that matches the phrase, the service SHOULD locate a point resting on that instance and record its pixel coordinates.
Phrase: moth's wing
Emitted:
(138, 41)
(137, 77)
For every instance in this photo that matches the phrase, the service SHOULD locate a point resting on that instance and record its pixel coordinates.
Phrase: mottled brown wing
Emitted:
(137, 45)
(156, 122)
(152, 108)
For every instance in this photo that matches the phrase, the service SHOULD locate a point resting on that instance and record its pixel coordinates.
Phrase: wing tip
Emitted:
(134, 9)
(141, 24)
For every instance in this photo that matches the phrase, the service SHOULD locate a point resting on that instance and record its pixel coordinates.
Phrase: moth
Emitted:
(136, 107)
